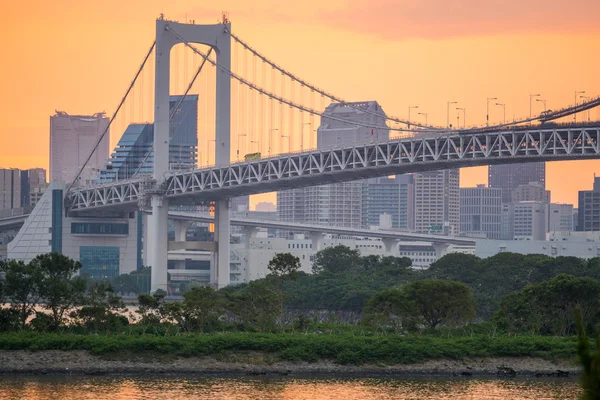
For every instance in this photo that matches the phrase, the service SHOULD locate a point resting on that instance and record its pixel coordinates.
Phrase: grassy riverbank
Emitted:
(340, 349)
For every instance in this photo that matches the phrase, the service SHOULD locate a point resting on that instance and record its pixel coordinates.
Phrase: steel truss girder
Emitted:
(353, 163)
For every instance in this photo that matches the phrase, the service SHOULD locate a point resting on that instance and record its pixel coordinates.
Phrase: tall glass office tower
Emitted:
(132, 150)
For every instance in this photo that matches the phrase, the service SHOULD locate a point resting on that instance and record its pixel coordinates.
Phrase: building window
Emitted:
(99, 262)
(99, 228)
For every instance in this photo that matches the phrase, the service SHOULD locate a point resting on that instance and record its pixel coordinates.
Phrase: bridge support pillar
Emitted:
(391, 246)
(440, 249)
(145, 239)
(222, 228)
(158, 242)
(181, 227)
(317, 240)
(249, 232)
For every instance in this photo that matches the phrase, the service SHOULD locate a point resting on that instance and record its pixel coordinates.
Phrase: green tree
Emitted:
(283, 267)
(387, 308)
(22, 287)
(60, 288)
(338, 259)
(151, 308)
(202, 308)
(257, 305)
(102, 310)
(434, 302)
(589, 360)
(549, 307)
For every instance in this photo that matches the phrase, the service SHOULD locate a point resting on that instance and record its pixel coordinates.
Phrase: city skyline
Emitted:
(75, 76)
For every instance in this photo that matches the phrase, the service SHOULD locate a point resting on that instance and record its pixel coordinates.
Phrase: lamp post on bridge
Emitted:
(586, 98)
(257, 145)
(302, 141)
(410, 108)
(208, 149)
(448, 112)
(487, 115)
(503, 105)
(543, 102)
(288, 138)
(425, 114)
(464, 110)
(238, 147)
(576, 93)
(531, 96)
(270, 132)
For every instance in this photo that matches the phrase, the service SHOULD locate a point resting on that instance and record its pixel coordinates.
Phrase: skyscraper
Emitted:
(10, 189)
(134, 147)
(72, 138)
(380, 196)
(588, 210)
(406, 200)
(509, 176)
(338, 204)
(17, 186)
(437, 204)
(481, 211)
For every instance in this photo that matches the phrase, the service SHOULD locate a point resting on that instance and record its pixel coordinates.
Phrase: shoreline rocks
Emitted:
(79, 362)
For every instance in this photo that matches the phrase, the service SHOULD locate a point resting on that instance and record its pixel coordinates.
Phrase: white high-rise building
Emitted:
(338, 204)
(560, 217)
(481, 211)
(72, 138)
(437, 202)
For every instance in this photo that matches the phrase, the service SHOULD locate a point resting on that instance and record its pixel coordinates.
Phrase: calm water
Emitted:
(175, 388)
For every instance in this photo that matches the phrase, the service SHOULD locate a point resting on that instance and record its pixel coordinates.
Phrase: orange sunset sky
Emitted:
(80, 55)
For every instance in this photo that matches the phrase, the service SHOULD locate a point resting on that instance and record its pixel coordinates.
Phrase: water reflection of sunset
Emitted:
(179, 388)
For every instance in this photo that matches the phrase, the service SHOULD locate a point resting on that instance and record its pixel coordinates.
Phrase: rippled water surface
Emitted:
(175, 388)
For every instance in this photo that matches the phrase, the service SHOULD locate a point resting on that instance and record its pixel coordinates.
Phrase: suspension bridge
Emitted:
(270, 108)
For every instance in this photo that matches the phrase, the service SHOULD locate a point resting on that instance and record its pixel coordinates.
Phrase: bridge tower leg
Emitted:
(216, 36)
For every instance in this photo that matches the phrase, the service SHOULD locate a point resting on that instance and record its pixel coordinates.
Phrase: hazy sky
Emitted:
(79, 56)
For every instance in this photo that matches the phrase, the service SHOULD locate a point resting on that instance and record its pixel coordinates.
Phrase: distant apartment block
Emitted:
(437, 202)
(532, 191)
(481, 211)
(560, 217)
(588, 210)
(509, 176)
(338, 204)
(21, 188)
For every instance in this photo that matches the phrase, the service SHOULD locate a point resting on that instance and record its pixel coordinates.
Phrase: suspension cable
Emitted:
(174, 110)
(114, 115)
(280, 99)
(321, 91)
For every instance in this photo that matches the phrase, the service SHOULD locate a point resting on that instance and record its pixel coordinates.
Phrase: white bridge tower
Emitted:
(216, 36)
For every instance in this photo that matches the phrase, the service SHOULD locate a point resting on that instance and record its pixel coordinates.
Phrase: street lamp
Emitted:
(586, 98)
(288, 138)
(208, 150)
(257, 145)
(425, 114)
(487, 116)
(238, 144)
(503, 105)
(576, 93)
(302, 141)
(448, 112)
(464, 110)
(543, 102)
(410, 108)
(531, 96)
(270, 132)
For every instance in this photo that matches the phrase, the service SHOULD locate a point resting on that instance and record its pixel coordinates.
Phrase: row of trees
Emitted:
(516, 293)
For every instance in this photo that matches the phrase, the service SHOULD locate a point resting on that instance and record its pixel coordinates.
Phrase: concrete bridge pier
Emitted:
(317, 240)
(391, 246)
